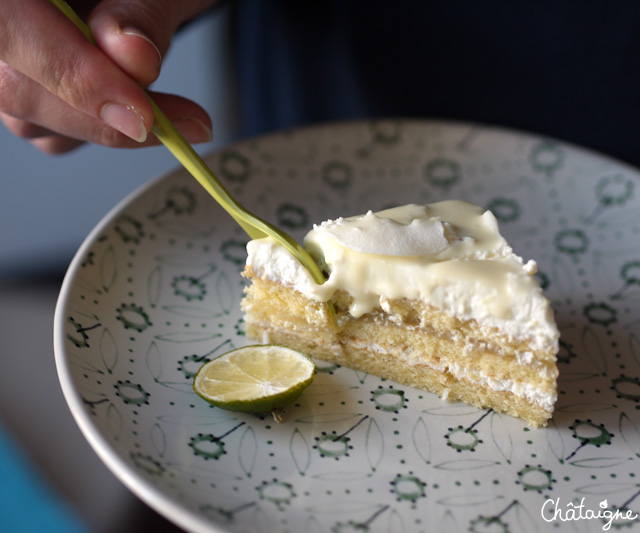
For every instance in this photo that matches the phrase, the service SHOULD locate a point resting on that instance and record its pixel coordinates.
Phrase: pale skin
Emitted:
(58, 91)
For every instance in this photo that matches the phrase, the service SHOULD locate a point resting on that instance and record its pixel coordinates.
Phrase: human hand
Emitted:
(58, 90)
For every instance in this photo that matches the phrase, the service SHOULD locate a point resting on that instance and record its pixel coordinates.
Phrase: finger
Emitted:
(31, 111)
(23, 128)
(56, 144)
(190, 119)
(44, 139)
(27, 106)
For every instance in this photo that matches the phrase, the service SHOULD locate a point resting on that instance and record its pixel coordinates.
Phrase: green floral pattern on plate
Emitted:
(154, 292)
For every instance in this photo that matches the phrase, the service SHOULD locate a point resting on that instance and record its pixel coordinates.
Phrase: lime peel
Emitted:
(255, 379)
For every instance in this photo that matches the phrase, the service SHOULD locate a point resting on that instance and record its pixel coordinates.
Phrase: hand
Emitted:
(58, 90)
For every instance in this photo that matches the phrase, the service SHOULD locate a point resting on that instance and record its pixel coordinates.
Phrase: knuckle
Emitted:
(64, 79)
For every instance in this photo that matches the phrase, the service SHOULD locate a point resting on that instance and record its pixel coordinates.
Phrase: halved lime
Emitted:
(254, 379)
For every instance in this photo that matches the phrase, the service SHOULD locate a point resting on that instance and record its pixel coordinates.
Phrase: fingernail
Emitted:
(126, 120)
(128, 30)
(193, 129)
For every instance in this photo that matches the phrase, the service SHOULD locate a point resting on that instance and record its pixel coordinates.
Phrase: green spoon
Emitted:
(184, 152)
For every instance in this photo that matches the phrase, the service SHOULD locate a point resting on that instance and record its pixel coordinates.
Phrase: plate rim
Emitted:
(172, 510)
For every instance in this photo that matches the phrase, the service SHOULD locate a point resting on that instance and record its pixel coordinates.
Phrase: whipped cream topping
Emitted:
(448, 254)
(382, 234)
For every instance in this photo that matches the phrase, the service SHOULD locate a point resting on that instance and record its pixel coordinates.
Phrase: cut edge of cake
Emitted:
(408, 341)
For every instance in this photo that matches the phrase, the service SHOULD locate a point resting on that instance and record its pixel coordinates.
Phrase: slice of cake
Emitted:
(430, 296)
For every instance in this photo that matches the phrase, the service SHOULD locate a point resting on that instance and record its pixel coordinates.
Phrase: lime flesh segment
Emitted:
(255, 379)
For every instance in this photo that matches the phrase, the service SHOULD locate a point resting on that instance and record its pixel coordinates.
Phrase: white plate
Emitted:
(155, 291)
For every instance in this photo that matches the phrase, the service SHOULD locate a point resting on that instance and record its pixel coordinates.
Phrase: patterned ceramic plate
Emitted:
(154, 292)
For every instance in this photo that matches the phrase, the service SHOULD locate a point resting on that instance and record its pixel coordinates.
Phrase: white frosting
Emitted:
(448, 254)
(376, 234)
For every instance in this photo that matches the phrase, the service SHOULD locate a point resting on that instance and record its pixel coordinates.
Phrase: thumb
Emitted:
(136, 34)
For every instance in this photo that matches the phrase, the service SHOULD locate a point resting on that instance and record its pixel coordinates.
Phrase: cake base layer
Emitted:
(410, 344)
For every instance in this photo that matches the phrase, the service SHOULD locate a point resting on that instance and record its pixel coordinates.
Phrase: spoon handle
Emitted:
(176, 144)
(168, 135)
